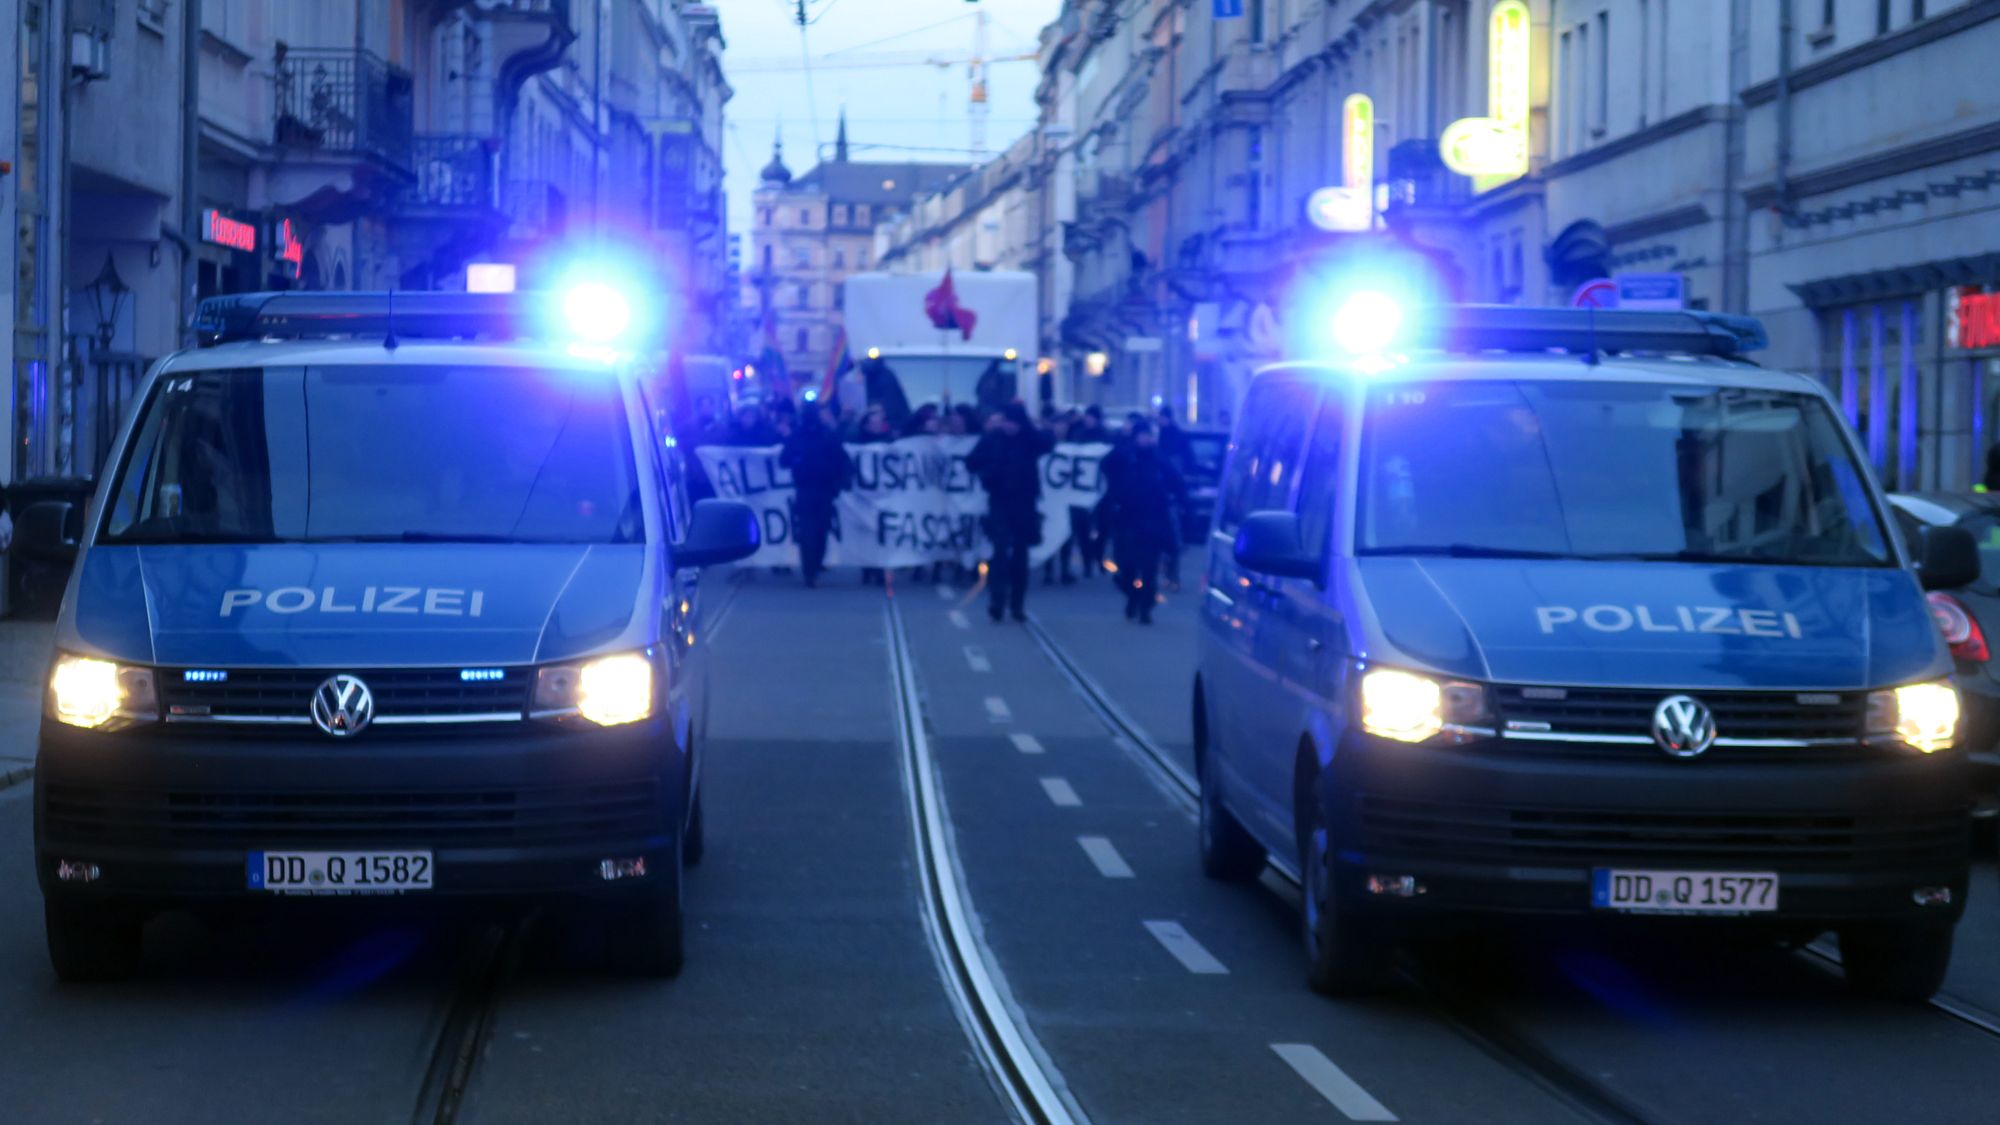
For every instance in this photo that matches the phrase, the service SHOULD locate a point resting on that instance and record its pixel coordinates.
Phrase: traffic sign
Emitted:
(1600, 293)
(1228, 9)
(1657, 291)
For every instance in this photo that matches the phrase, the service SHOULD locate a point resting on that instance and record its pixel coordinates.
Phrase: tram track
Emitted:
(1507, 1044)
(493, 956)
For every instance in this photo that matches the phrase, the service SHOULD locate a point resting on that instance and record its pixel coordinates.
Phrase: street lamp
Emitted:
(107, 300)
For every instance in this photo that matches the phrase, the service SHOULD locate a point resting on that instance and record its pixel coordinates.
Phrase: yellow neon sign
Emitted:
(1494, 149)
(1357, 141)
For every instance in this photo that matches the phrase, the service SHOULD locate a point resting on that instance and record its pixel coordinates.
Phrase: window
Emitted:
(861, 215)
(763, 216)
(1580, 93)
(803, 340)
(805, 296)
(839, 297)
(1881, 17)
(1264, 462)
(1601, 111)
(1566, 97)
(1826, 13)
(805, 217)
(802, 257)
(153, 14)
(767, 259)
(840, 259)
(1645, 58)
(1916, 9)
(1662, 84)
(1321, 485)
(840, 215)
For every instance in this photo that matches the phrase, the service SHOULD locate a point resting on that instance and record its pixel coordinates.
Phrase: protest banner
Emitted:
(913, 502)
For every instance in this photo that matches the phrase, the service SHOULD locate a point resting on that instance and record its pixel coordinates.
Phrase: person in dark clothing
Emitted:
(1991, 481)
(1179, 452)
(752, 426)
(1142, 492)
(1007, 462)
(820, 471)
(1091, 427)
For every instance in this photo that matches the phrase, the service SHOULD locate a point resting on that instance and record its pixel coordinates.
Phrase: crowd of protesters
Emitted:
(1135, 532)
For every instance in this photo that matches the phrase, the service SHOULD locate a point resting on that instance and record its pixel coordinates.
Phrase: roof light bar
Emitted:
(1509, 328)
(320, 315)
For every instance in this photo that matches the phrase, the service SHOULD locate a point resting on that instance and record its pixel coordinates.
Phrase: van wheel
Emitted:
(693, 843)
(1906, 963)
(644, 938)
(1228, 852)
(1344, 956)
(92, 943)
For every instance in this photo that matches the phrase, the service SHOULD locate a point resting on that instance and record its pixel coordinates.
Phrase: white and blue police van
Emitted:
(381, 595)
(1575, 615)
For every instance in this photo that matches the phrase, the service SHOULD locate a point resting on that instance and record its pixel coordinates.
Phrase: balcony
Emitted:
(343, 102)
(454, 172)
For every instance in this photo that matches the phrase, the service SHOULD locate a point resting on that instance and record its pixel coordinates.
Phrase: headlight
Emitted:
(87, 692)
(1923, 716)
(608, 691)
(1409, 707)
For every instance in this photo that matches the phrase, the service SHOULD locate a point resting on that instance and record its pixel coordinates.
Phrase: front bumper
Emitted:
(169, 817)
(1492, 828)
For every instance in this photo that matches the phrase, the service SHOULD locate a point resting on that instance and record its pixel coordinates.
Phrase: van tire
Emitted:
(693, 840)
(644, 938)
(92, 943)
(1229, 854)
(1344, 956)
(1896, 962)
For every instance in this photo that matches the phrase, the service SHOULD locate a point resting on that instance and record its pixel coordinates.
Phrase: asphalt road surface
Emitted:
(941, 887)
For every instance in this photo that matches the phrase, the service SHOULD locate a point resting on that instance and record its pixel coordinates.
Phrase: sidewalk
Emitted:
(24, 660)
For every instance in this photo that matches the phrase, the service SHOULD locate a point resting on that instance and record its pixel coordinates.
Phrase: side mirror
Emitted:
(1947, 558)
(722, 531)
(1269, 543)
(49, 530)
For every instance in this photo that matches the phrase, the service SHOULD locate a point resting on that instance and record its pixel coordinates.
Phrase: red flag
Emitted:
(941, 305)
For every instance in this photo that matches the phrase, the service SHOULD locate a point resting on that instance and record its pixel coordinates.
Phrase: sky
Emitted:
(918, 106)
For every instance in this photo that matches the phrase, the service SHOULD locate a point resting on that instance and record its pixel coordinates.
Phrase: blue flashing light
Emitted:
(1367, 322)
(204, 676)
(481, 675)
(596, 312)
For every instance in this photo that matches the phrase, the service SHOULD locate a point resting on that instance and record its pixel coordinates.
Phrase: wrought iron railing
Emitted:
(452, 170)
(346, 101)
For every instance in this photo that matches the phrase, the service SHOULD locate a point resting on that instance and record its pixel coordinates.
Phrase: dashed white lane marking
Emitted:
(976, 657)
(945, 593)
(1026, 743)
(1059, 791)
(997, 710)
(1185, 949)
(1332, 1082)
(1109, 863)
(959, 620)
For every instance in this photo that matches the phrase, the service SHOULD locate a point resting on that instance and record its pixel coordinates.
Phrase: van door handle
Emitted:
(1218, 595)
(1314, 644)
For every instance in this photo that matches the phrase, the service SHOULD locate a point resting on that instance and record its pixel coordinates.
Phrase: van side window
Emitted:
(1319, 491)
(1264, 457)
(1280, 448)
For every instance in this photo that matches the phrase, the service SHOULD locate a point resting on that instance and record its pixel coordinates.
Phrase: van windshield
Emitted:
(378, 454)
(1564, 469)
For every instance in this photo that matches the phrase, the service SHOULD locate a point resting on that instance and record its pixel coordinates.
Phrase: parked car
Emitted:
(1969, 616)
(1206, 451)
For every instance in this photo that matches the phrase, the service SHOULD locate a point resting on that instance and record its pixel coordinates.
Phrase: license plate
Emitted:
(340, 873)
(1684, 892)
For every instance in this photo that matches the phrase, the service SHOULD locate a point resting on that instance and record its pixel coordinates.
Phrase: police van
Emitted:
(1546, 612)
(381, 595)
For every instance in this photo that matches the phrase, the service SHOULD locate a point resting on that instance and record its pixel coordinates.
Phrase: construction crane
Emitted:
(975, 68)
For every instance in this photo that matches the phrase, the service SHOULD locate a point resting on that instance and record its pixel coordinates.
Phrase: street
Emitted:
(830, 979)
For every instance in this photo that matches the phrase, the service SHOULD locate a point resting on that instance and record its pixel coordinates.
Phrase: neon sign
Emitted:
(222, 230)
(290, 250)
(1357, 141)
(1494, 148)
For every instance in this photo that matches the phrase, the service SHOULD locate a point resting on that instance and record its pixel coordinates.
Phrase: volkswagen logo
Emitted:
(342, 706)
(1683, 726)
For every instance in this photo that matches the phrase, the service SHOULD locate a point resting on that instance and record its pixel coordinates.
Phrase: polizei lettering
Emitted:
(1714, 619)
(425, 601)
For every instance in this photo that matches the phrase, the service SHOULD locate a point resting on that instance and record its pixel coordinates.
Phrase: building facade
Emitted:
(1827, 165)
(341, 144)
(809, 233)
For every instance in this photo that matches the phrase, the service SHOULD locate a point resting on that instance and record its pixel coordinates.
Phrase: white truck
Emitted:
(899, 353)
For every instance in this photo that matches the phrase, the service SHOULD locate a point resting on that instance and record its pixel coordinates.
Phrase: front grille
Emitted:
(555, 815)
(1822, 724)
(1498, 835)
(284, 695)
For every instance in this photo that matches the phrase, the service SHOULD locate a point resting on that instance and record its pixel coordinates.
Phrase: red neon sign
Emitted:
(1972, 318)
(222, 230)
(290, 250)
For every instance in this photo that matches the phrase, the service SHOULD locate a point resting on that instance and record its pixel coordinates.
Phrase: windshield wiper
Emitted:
(190, 538)
(1466, 551)
(429, 537)
(1690, 555)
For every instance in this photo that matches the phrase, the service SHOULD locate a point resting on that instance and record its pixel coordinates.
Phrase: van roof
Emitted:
(1436, 367)
(370, 352)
